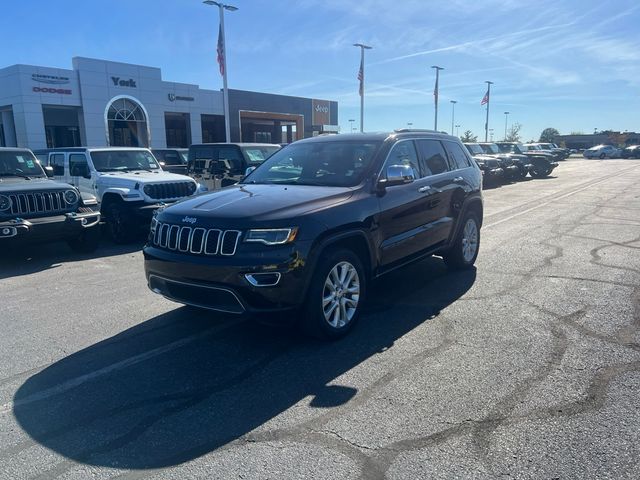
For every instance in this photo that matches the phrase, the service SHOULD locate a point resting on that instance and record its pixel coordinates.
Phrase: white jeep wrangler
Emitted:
(128, 183)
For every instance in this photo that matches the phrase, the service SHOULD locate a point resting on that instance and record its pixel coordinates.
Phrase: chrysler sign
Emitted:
(173, 97)
(50, 79)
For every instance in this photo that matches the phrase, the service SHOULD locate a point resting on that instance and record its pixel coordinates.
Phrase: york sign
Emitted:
(123, 83)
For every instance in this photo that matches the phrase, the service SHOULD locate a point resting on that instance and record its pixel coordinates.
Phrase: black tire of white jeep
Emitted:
(120, 223)
(336, 295)
(87, 241)
(464, 251)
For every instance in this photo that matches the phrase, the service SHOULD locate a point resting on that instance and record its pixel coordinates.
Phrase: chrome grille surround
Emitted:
(196, 240)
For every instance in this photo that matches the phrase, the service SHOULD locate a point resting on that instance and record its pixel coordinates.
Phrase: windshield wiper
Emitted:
(10, 174)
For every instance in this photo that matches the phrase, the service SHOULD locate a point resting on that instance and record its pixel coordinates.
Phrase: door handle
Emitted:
(459, 180)
(425, 189)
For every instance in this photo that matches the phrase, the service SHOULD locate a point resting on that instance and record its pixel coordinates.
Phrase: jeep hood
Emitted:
(259, 202)
(142, 177)
(36, 184)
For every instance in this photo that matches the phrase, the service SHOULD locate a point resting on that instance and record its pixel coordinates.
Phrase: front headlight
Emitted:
(5, 203)
(71, 197)
(192, 188)
(147, 189)
(272, 236)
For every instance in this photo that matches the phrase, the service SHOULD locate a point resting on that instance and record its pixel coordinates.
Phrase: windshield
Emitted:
(123, 160)
(491, 148)
(19, 164)
(331, 164)
(474, 148)
(256, 155)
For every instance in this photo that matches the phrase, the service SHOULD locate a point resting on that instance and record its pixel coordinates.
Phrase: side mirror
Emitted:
(399, 175)
(48, 170)
(249, 170)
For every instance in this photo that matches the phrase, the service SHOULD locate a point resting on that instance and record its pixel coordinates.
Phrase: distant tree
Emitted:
(618, 139)
(469, 137)
(549, 135)
(513, 134)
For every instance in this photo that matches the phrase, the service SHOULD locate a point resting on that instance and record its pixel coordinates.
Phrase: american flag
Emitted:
(220, 50)
(485, 99)
(435, 91)
(361, 78)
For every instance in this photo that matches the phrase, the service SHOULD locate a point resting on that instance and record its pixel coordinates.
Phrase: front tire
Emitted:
(87, 241)
(120, 224)
(336, 295)
(539, 171)
(464, 251)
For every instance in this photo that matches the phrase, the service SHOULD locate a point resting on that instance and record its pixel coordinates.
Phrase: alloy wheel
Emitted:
(469, 240)
(341, 294)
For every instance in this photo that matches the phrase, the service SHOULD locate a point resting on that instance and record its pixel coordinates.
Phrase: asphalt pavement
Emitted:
(527, 367)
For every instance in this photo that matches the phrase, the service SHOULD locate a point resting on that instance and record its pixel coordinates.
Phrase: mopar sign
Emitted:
(173, 97)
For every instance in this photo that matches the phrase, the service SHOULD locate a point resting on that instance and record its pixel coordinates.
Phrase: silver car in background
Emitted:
(602, 151)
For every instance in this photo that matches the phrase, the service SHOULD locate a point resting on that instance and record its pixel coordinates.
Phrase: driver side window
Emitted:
(402, 153)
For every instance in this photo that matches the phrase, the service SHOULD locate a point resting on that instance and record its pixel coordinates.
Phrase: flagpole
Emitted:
(435, 95)
(225, 91)
(486, 123)
(362, 49)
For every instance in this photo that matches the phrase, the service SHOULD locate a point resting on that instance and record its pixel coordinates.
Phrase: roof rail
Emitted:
(417, 130)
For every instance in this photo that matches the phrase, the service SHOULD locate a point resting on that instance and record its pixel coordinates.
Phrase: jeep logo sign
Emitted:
(190, 220)
(320, 112)
(124, 83)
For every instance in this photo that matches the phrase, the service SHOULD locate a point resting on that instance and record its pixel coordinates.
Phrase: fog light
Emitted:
(9, 232)
(83, 221)
(263, 279)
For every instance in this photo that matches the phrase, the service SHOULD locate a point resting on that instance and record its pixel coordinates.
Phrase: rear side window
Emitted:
(433, 158)
(57, 162)
(457, 155)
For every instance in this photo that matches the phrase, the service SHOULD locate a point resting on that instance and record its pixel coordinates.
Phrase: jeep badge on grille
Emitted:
(190, 220)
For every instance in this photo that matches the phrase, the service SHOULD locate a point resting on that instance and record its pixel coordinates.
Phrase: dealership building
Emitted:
(102, 103)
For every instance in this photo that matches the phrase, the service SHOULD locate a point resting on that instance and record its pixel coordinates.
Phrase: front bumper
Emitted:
(57, 227)
(227, 284)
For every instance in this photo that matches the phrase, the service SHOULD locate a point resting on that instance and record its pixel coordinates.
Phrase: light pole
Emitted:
(435, 94)
(453, 113)
(491, 134)
(486, 123)
(351, 120)
(505, 125)
(362, 48)
(458, 130)
(409, 124)
(222, 58)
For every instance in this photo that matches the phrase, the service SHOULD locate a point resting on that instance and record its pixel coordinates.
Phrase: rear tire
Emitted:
(336, 295)
(602, 155)
(120, 224)
(87, 241)
(539, 171)
(464, 251)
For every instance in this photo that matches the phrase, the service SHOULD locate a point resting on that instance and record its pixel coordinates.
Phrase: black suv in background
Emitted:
(310, 227)
(218, 165)
(35, 208)
(542, 164)
(173, 160)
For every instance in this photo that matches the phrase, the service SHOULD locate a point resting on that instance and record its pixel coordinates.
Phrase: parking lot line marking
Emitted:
(568, 194)
(127, 362)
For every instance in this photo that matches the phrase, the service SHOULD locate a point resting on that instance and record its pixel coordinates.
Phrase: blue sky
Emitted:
(572, 65)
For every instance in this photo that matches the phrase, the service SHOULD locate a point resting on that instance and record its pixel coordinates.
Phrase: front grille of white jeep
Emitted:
(196, 240)
(38, 203)
(166, 191)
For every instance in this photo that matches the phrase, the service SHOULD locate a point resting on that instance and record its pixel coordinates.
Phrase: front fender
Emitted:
(126, 194)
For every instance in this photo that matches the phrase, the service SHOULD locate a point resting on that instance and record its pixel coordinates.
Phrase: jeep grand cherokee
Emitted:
(310, 227)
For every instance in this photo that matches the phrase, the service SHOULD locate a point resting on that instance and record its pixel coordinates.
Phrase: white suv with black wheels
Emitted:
(128, 183)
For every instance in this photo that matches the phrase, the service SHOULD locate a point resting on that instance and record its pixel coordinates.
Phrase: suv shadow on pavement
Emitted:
(187, 383)
(28, 259)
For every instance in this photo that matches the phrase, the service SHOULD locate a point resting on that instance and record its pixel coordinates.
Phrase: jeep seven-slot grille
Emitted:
(38, 202)
(196, 240)
(163, 191)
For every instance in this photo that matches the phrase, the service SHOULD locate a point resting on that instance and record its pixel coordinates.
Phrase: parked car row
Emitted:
(609, 151)
(511, 161)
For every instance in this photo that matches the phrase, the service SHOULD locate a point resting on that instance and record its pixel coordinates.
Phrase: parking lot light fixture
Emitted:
(458, 130)
(351, 120)
(222, 59)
